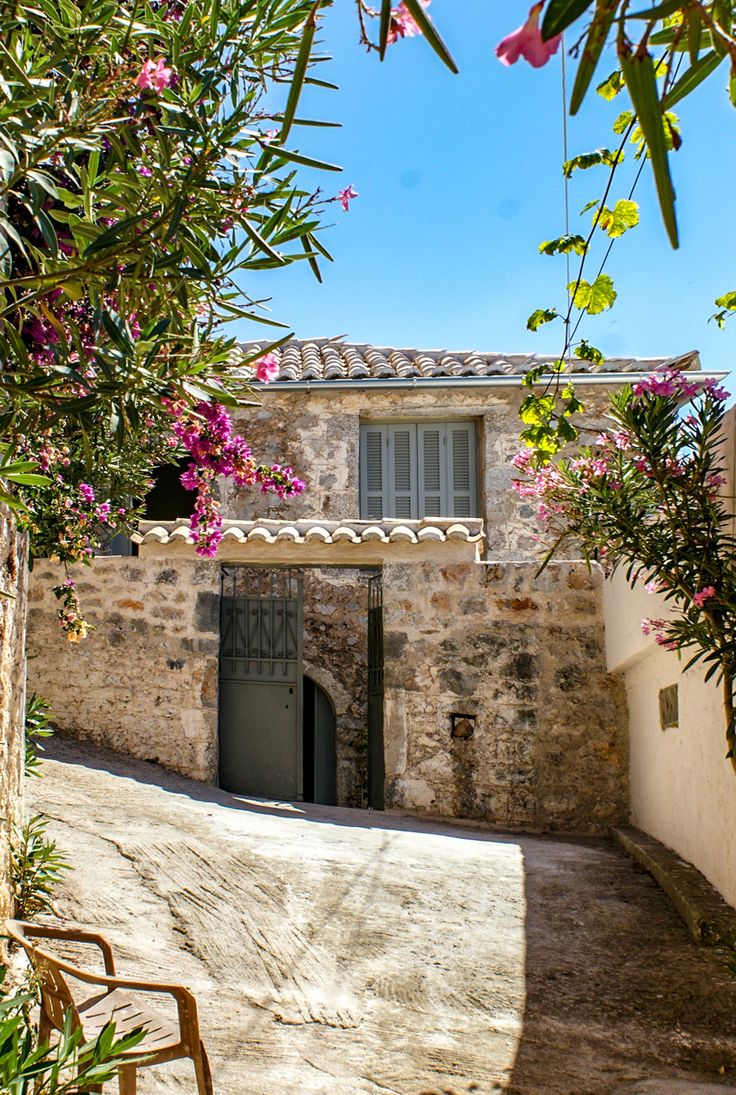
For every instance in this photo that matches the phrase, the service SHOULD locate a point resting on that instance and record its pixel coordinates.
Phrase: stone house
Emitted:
(384, 639)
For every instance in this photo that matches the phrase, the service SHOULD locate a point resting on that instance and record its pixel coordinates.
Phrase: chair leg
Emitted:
(44, 1028)
(202, 1071)
(127, 1076)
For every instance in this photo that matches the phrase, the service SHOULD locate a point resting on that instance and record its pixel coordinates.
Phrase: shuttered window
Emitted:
(418, 469)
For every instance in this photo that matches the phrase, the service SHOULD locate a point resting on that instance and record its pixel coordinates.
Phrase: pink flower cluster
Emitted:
(344, 197)
(69, 615)
(267, 368)
(526, 41)
(155, 76)
(675, 384)
(658, 630)
(703, 595)
(403, 24)
(207, 435)
(541, 484)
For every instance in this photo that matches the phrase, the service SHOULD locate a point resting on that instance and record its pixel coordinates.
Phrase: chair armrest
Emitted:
(185, 1002)
(186, 1005)
(74, 935)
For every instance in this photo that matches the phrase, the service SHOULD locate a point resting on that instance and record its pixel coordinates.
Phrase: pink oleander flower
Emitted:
(527, 42)
(403, 24)
(87, 492)
(267, 369)
(344, 197)
(656, 585)
(704, 595)
(155, 76)
(673, 383)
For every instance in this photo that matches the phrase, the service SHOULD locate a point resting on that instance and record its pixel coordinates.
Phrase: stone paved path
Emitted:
(342, 952)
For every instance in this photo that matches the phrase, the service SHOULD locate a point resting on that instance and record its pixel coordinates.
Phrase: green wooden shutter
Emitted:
(373, 472)
(462, 469)
(432, 470)
(410, 470)
(402, 485)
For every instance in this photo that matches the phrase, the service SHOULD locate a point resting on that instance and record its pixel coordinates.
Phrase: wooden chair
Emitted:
(118, 1000)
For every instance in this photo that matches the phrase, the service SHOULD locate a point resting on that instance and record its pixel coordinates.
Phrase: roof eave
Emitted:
(503, 381)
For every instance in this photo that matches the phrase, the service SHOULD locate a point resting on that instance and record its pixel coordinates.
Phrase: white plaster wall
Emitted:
(683, 790)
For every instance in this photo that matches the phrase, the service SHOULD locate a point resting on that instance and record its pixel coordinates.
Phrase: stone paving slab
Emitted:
(338, 952)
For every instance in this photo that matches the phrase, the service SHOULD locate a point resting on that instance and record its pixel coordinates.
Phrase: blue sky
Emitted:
(459, 180)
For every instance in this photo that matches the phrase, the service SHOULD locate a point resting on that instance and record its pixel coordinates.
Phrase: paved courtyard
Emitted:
(340, 952)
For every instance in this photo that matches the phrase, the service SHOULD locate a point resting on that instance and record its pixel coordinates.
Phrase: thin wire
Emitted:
(566, 190)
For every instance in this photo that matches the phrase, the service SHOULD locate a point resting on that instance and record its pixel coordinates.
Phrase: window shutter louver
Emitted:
(461, 469)
(414, 470)
(373, 473)
(402, 450)
(432, 475)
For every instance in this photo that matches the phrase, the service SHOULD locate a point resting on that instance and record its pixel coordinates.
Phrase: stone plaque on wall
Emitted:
(668, 708)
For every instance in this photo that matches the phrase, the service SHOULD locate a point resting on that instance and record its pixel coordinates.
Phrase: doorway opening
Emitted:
(300, 691)
(319, 748)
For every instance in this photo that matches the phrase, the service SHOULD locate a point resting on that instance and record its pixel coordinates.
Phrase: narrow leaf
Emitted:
(427, 28)
(384, 27)
(560, 14)
(300, 71)
(594, 43)
(641, 81)
(689, 80)
(307, 161)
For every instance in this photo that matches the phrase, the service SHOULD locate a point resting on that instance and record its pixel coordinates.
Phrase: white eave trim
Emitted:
(515, 381)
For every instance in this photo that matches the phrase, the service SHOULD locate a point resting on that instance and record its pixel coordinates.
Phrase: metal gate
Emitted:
(376, 772)
(261, 675)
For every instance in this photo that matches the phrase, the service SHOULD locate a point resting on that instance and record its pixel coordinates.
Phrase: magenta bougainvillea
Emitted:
(206, 432)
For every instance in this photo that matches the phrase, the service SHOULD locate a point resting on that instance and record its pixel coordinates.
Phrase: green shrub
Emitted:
(37, 727)
(70, 1066)
(36, 866)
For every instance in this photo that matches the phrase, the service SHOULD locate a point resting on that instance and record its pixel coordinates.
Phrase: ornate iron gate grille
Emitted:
(261, 627)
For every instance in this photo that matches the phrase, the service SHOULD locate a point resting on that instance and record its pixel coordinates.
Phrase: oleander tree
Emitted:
(647, 497)
(148, 156)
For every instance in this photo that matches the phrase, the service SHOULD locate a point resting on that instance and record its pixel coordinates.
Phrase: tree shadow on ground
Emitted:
(616, 994)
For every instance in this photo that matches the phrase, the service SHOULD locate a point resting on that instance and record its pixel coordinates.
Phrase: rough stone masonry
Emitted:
(13, 586)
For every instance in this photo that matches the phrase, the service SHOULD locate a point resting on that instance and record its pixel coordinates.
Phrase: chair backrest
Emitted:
(56, 998)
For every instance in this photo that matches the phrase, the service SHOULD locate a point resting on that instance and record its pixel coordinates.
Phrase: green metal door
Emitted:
(260, 717)
(376, 771)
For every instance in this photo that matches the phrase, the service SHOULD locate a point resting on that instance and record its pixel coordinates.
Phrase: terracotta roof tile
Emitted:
(437, 529)
(322, 359)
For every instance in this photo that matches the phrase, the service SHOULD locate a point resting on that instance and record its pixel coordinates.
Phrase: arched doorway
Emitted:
(319, 746)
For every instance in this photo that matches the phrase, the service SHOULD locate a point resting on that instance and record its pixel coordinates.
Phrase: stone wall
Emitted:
(522, 656)
(525, 657)
(13, 581)
(318, 432)
(144, 681)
